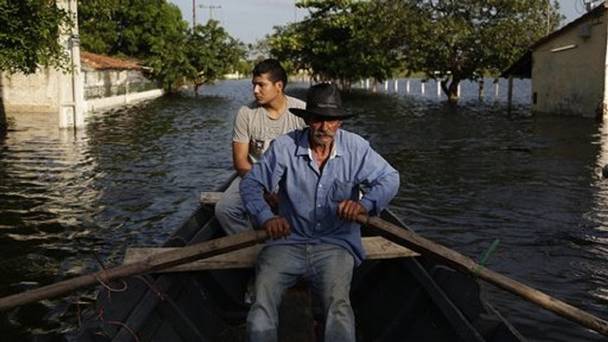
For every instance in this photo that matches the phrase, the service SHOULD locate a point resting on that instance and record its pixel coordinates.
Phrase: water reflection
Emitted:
(596, 228)
(474, 174)
(469, 175)
(45, 199)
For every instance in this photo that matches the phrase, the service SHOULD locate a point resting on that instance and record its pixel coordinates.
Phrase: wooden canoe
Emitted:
(394, 299)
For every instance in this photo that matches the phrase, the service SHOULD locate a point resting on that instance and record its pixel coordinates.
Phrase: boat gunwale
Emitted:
(207, 230)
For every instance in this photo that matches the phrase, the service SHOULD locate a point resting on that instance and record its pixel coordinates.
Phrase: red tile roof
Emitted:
(101, 62)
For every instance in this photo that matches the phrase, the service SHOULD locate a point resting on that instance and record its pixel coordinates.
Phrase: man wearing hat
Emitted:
(320, 171)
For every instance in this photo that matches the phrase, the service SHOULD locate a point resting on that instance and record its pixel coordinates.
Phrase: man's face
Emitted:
(323, 132)
(265, 90)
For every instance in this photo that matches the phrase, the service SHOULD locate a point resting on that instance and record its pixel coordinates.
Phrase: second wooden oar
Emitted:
(152, 263)
(461, 262)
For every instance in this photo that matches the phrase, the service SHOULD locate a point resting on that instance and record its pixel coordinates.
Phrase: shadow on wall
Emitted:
(107, 84)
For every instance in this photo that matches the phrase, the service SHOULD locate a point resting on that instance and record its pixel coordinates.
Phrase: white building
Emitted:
(49, 91)
(568, 68)
(63, 99)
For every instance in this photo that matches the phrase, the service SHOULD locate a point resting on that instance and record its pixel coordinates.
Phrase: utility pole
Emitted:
(193, 14)
(211, 8)
(548, 17)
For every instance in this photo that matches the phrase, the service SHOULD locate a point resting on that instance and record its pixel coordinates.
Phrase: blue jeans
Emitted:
(327, 268)
(230, 211)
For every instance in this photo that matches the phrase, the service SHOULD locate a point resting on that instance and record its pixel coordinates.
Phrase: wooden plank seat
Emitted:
(376, 247)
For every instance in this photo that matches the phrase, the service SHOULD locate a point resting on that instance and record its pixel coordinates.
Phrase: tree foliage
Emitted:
(212, 52)
(131, 28)
(340, 40)
(154, 31)
(449, 40)
(29, 35)
(454, 40)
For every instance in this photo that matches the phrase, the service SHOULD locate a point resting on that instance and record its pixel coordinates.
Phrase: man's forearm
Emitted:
(240, 158)
(242, 165)
(381, 193)
(253, 199)
(242, 169)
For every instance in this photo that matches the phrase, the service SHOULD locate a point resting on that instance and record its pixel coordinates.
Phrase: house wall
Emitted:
(49, 91)
(63, 99)
(36, 93)
(571, 81)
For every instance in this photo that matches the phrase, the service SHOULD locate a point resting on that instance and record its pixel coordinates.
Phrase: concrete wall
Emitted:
(568, 70)
(106, 89)
(23, 96)
(37, 93)
(106, 83)
(61, 98)
(49, 91)
(104, 103)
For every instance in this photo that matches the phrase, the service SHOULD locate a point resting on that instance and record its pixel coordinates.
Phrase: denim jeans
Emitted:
(230, 211)
(327, 268)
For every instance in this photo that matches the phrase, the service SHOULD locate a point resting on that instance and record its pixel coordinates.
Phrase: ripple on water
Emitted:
(469, 175)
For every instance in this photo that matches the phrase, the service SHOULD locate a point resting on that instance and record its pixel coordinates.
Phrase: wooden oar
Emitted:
(152, 263)
(456, 260)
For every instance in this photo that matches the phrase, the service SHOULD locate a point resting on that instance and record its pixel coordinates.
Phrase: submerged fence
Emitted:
(489, 89)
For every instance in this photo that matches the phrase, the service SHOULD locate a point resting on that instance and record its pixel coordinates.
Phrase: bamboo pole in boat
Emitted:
(152, 263)
(456, 260)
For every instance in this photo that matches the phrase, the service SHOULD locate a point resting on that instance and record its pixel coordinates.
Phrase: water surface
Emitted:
(469, 175)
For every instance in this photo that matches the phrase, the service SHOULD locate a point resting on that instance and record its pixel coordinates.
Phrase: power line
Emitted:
(211, 8)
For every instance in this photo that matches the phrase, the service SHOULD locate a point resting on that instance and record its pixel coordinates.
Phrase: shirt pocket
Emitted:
(341, 191)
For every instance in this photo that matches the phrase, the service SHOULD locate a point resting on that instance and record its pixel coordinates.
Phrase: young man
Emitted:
(320, 170)
(255, 126)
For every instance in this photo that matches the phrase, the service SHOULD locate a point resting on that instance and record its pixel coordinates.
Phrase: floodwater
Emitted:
(469, 175)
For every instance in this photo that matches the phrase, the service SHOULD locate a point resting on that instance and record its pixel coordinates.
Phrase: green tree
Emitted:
(212, 52)
(98, 25)
(455, 40)
(151, 30)
(131, 28)
(168, 59)
(342, 40)
(29, 35)
(154, 31)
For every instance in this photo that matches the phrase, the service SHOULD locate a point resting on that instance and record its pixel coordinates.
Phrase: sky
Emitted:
(246, 20)
(251, 20)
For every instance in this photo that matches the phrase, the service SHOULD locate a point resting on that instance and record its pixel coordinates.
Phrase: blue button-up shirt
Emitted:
(308, 198)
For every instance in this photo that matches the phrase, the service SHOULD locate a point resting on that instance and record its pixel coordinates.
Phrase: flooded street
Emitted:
(469, 175)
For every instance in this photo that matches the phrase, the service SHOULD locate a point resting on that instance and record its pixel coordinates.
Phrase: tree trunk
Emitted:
(345, 85)
(451, 89)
